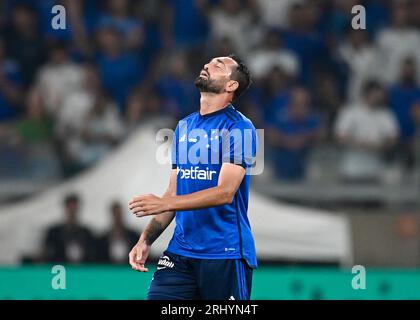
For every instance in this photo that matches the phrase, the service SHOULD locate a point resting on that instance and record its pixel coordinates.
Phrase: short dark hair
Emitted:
(242, 75)
(371, 85)
(57, 45)
(71, 198)
(115, 205)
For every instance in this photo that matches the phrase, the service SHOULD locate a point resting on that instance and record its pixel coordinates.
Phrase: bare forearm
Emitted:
(156, 226)
(159, 223)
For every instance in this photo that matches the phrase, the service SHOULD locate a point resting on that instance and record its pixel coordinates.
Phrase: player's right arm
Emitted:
(138, 255)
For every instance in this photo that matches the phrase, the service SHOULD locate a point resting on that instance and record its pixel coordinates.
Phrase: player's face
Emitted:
(215, 75)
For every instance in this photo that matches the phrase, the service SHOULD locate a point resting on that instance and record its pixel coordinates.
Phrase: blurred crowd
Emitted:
(70, 241)
(67, 97)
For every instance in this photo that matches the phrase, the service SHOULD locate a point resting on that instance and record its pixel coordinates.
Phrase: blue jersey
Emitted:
(202, 143)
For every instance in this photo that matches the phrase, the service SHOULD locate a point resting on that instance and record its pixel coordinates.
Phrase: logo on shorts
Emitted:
(165, 262)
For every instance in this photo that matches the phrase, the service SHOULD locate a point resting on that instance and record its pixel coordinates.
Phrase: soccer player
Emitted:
(212, 251)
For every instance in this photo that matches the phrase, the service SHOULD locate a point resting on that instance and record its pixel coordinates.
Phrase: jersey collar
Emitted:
(211, 114)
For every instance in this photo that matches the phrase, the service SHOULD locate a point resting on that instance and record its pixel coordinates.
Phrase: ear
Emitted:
(232, 85)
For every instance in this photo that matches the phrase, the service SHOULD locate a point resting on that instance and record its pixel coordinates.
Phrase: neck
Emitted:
(212, 102)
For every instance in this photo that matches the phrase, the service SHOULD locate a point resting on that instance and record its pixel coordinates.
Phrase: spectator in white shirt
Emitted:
(360, 56)
(276, 12)
(237, 22)
(58, 78)
(77, 104)
(271, 54)
(397, 42)
(88, 124)
(366, 130)
(100, 132)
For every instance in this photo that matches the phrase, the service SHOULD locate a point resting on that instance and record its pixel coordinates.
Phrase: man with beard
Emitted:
(212, 251)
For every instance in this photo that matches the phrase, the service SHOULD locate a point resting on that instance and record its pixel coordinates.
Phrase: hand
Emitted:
(147, 205)
(138, 256)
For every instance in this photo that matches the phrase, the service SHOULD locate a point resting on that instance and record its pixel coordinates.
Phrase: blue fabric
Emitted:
(310, 49)
(190, 25)
(124, 26)
(10, 71)
(377, 16)
(181, 278)
(221, 232)
(119, 75)
(43, 9)
(180, 96)
(402, 99)
(290, 164)
(276, 107)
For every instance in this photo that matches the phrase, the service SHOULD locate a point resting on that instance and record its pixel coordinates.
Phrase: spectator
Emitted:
(366, 130)
(185, 23)
(235, 21)
(361, 59)
(397, 42)
(35, 127)
(305, 41)
(35, 145)
(75, 33)
(292, 134)
(88, 125)
(10, 87)
(327, 100)
(58, 78)
(269, 54)
(77, 105)
(377, 16)
(143, 105)
(222, 47)
(340, 17)
(99, 132)
(415, 14)
(275, 93)
(24, 41)
(403, 97)
(115, 244)
(120, 71)
(118, 17)
(176, 87)
(275, 13)
(69, 242)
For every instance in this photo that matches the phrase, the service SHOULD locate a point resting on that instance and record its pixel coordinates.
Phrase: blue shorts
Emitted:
(182, 278)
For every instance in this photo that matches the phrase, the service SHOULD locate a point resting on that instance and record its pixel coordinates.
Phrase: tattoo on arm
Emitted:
(153, 231)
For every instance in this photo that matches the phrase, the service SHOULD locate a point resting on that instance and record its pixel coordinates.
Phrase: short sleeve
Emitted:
(174, 149)
(239, 144)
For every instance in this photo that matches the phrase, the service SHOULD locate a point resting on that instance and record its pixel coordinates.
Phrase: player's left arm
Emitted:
(230, 178)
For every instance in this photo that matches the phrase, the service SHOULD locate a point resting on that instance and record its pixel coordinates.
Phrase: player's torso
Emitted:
(200, 151)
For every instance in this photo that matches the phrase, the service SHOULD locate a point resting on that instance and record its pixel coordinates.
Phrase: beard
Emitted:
(208, 85)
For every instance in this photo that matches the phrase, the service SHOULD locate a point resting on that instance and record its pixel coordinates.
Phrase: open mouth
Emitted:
(203, 73)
